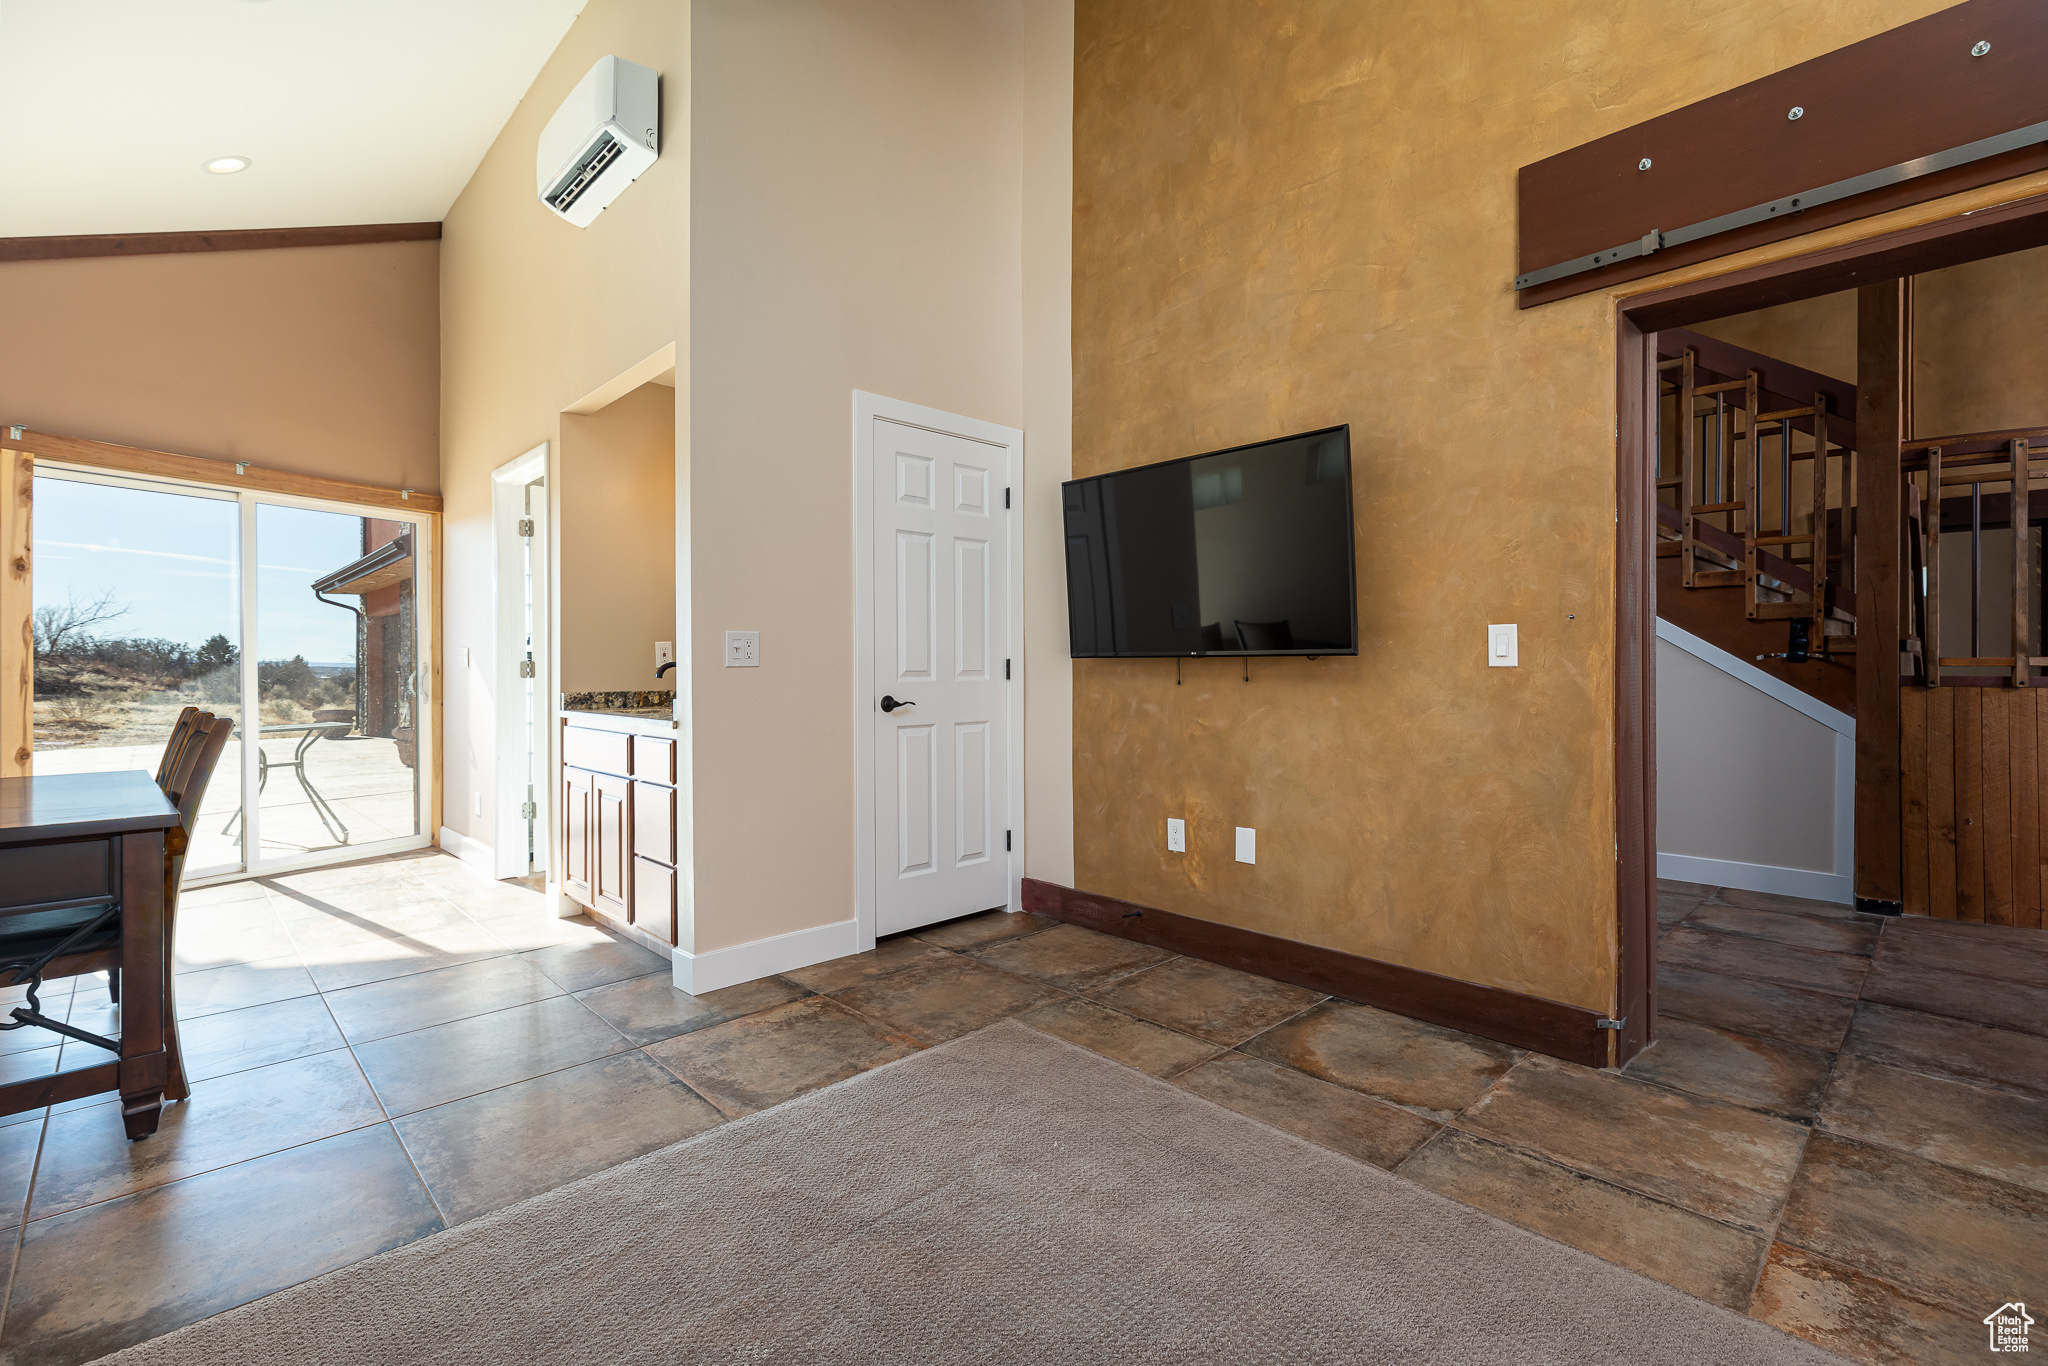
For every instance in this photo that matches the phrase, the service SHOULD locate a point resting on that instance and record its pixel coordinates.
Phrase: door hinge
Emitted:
(1006, 497)
(526, 668)
(1006, 668)
(526, 526)
(1006, 841)
(529, 810)
(1610, 1024)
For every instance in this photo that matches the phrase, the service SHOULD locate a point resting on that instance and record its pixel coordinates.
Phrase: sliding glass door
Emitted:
(301, 619)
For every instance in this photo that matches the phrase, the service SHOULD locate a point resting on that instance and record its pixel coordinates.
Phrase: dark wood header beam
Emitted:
(1910, 92)
(240, 239)
(2018, 226)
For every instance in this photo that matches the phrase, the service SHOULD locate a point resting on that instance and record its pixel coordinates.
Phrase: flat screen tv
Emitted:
(1240, 552)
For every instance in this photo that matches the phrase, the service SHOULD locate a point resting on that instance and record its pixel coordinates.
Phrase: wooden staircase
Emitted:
(1746, 561)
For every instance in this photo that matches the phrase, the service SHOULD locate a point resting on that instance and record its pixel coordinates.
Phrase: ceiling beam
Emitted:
(240, 239)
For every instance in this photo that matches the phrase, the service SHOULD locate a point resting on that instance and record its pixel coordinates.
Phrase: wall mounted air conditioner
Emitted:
(605, 134)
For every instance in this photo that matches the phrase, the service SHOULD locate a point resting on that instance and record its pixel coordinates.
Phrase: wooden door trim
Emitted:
(17, 615)
(1635, 692)
(78, 247)
(225, 474)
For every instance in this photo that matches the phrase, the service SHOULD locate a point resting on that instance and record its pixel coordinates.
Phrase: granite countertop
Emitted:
(651, 705)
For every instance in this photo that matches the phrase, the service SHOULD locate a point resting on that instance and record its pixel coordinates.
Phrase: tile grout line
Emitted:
(385, 1111)
(21, 1229)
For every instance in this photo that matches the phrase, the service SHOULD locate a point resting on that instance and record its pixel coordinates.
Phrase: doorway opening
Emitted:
(522, 665)
(1821, 462)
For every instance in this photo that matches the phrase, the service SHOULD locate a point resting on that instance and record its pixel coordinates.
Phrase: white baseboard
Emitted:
(1758, 877)
(474, 852)
(698, 973)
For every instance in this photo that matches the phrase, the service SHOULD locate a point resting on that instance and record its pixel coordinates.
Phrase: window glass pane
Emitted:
(137, 612)
(335, 632)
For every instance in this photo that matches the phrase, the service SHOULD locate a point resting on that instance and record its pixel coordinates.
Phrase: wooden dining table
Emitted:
(75, 840)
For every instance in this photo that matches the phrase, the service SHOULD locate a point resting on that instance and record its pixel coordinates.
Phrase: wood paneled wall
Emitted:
(1973, 766)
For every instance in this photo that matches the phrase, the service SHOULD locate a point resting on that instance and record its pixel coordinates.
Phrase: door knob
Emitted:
(890, 704)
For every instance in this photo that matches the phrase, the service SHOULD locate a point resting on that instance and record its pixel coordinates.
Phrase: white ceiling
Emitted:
(351, 111)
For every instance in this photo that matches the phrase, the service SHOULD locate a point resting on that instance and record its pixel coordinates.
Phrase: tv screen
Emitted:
(1240, 552)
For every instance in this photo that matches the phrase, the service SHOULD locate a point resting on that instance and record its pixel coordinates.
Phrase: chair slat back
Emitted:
(195, 770)
(175, 746)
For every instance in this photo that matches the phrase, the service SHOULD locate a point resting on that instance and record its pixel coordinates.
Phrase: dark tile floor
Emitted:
(385, 1049)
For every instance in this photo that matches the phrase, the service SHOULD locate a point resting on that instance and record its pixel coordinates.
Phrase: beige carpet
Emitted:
(1005, 1198)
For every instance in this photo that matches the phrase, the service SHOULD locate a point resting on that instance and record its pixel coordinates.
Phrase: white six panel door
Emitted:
(941, 626)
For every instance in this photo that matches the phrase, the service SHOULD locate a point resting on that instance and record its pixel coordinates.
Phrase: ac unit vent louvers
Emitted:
(593, 163)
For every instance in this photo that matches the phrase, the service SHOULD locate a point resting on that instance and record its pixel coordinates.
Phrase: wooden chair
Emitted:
(175, 746)
(188, 789)
(72, 941)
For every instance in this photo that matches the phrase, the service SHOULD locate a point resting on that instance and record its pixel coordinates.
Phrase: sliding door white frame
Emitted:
(427, 746)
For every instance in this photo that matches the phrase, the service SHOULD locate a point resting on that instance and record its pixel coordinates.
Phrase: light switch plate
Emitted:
(664, 652)
(1503, 647)
(742, 649)
(1176, 835)
(1247, 844)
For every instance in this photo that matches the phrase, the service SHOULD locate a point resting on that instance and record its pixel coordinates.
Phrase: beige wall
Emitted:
(616, 521)
(811, 229)
(858, 207)
(536, 316)
(1319, 227)
(1740, 775)
(315, 360)
(1048, 54)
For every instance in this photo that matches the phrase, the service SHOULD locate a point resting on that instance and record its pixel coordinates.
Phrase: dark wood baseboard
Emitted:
(1562, 1031)
(236, 239)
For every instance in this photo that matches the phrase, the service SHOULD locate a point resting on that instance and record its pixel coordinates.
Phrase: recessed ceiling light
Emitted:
(227, 165)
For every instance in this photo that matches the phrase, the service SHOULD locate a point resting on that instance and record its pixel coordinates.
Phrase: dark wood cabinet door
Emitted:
(577, 794)
(611, 853)
(654, 899)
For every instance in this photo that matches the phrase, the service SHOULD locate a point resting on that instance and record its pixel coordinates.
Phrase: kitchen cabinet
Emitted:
(619, 840)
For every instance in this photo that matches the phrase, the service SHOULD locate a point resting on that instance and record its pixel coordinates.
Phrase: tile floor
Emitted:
(1842, 1130)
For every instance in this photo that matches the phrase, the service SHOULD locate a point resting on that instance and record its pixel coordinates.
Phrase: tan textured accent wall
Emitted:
(1295, 214)
(314, 360)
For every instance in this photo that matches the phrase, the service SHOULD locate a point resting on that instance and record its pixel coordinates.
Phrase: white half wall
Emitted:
(1756, 781)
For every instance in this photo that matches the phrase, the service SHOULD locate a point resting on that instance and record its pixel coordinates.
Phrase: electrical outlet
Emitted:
(466, 661)
(742, 649)
(664, 652)
(476, 803)
(1176, 835)
(1503, 647)
(1247, 844)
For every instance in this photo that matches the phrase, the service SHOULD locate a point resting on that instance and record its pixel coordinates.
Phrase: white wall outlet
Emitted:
(664, 652)
(465, 657)
(476, 803)
(1247, 844)
(1503, 647)
(1176, 835)
(742, 649)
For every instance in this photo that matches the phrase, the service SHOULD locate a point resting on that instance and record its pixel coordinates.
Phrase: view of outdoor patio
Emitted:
(140, 610)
